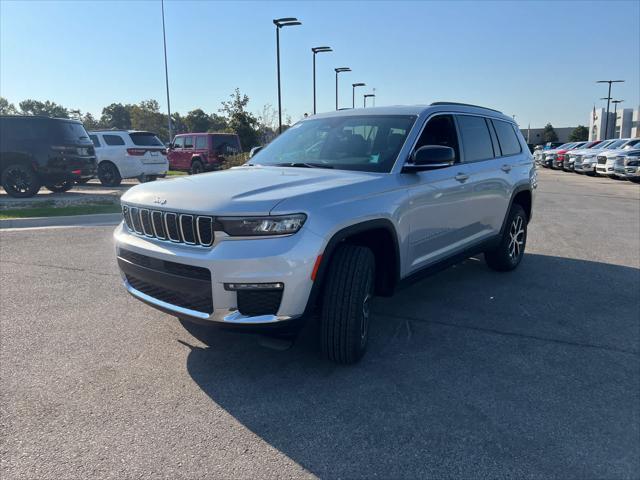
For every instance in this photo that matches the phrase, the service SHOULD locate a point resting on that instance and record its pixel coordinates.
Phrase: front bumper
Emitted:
(288, 260)
(585, 167)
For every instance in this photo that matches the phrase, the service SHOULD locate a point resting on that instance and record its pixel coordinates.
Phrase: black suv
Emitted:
(36, 151)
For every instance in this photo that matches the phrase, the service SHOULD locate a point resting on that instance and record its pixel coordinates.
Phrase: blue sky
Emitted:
(537, 60)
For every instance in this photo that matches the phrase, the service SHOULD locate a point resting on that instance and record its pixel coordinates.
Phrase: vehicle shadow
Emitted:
(469, 373)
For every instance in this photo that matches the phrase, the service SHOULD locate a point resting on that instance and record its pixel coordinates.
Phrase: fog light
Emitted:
(253, 286)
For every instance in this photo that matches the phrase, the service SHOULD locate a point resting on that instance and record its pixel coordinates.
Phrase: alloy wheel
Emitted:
(516, 237)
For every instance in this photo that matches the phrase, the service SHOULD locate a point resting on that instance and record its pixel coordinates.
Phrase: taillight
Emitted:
(136, 151)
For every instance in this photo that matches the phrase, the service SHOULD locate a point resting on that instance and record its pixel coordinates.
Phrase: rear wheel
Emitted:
(20, 181)
(196, 167)
(109, 175)
(63, 186)
(346, 304)
(508, 254)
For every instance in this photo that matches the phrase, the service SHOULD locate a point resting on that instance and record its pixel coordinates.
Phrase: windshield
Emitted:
(631, 144)
(72, 131)
(615, 144)
(368, 143)
(145, 139)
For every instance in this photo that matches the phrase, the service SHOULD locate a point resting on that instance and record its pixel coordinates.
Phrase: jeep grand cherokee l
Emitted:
(339, 208)
(36, 151)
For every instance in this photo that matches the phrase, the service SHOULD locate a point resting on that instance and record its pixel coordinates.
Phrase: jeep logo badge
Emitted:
(160, 201)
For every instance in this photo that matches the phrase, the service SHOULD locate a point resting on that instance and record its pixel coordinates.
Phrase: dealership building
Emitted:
(622, 123)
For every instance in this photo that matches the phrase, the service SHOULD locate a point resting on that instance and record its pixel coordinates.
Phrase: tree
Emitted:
(89, 122)
(116, 115)
(549, 134)
(240, 120)
(36, 107)
(146, 116)
(7, 108)
(579, 134)
(197, 121)
(217, 123)
(178, 124)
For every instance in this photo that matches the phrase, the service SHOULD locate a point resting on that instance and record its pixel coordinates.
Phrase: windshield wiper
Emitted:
(303, 165)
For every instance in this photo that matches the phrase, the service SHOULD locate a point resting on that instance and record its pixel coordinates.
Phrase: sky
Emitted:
(537, 60)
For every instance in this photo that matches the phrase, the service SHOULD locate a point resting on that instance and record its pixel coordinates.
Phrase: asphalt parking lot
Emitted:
(469, 374)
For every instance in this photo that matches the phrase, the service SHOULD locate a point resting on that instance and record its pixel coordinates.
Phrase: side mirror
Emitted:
(170, 146)
(430, 157)
(254, 150)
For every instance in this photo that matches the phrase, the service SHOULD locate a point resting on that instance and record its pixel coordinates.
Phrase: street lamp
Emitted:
(317, 50)
(353, 93)
(166, 70)
(279, 23)
(368, 95)
(606, 119)
(615, 115)
(339, 70)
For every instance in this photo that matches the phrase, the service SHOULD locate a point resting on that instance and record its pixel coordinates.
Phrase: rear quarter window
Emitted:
(113, 140)
(95, 140)
(507, 138)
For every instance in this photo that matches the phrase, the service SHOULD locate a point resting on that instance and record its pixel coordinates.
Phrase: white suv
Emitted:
(128, 154)
(606, 160)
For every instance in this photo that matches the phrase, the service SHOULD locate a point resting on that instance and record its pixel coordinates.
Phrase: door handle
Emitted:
(506, 168)
(461, 177)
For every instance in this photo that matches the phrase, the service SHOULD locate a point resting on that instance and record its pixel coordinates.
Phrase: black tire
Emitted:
(508, 254)
(108, 174)
(346, 302)
(196, 167)
(147, 178)
(20, 181)
(60, 187)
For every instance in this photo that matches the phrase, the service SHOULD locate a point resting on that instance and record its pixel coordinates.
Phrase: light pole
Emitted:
(166, 70)
(279, 23)
(339, 70)
(606, 119)
(353, 93)
(615, 115)
(317, 50)
(368, 95)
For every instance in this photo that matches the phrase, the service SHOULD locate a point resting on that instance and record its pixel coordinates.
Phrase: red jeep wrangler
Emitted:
(201, 152)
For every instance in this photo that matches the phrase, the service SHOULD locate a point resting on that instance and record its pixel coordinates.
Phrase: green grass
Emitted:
(172, 173)
(43, 211)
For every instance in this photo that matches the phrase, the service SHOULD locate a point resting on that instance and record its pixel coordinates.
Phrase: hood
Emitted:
(252, 190)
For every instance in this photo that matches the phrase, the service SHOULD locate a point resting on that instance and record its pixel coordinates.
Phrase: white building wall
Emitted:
(635, 123)
(624, 119)
(597, 125)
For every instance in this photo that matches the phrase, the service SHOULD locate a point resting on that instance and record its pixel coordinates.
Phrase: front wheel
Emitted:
(20, 181)
(60, 187)
(509, 252)
(346, 304)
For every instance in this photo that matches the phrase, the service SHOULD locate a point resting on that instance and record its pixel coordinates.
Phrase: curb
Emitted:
(65, 221)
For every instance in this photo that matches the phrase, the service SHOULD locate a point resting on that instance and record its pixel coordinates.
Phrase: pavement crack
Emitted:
(515, 334)
(73, 269)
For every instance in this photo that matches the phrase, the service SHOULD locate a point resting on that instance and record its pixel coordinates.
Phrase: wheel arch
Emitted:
(381, 237)
(523, 196)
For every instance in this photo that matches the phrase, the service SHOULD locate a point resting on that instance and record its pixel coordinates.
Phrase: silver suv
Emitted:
(339, 208)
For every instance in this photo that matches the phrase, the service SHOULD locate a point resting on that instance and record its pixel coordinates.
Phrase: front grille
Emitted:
(170, 226)
(601, 159)
(259, 302)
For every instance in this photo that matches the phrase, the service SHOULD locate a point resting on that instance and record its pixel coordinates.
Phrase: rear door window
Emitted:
(507, 138)
(113, 140)
(145, 139)
(201, 142)
(475, 137)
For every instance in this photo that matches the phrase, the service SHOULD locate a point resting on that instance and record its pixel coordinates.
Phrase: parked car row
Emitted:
(616, 158)
(58, 153)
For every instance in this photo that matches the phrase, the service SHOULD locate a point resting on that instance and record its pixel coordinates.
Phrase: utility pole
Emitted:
(315, 51)
(606, 119)
(279, 23)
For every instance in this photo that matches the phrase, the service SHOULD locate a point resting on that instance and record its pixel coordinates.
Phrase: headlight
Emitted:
(260, 226)
(633, 163)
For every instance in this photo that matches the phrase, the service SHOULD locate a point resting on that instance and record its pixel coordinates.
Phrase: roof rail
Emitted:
(464, 105)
